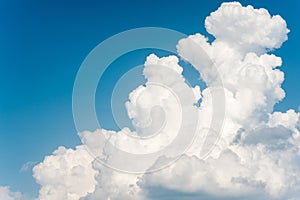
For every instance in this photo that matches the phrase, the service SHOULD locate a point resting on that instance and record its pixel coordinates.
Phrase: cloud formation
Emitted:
(257, 155)
(67, 174)
(7, 194)
(246, 28)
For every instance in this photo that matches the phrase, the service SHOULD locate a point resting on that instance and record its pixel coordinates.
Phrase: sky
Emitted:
(43, 44)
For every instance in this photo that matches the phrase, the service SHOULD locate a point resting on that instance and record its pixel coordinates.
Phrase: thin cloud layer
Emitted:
(257, 155)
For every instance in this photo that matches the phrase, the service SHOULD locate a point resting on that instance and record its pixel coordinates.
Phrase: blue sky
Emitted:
(43, 44)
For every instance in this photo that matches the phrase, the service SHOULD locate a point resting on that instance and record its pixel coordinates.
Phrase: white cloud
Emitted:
(7, 194)
(67, 174)
(247, 28)
(257, 156)
(28, 166)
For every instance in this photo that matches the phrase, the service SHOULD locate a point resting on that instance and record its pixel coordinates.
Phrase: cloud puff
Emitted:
(257, 155)
(67, 174)
(7, 194)
(250, 29)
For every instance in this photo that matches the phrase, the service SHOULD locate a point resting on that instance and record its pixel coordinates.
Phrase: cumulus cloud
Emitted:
(67, 174)
(257, 155)
(255, 28)
(7, 194)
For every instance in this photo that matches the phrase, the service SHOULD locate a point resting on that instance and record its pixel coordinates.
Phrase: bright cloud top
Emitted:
(257, 155)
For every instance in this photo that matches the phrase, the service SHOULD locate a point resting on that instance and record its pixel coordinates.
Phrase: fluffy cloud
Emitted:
(257, 155)
(255, 28)
(7, 194)
(67, 174)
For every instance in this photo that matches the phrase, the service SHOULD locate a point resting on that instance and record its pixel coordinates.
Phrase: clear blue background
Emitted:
(42, 44)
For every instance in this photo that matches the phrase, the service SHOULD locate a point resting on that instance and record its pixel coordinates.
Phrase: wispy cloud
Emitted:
(27, 166)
